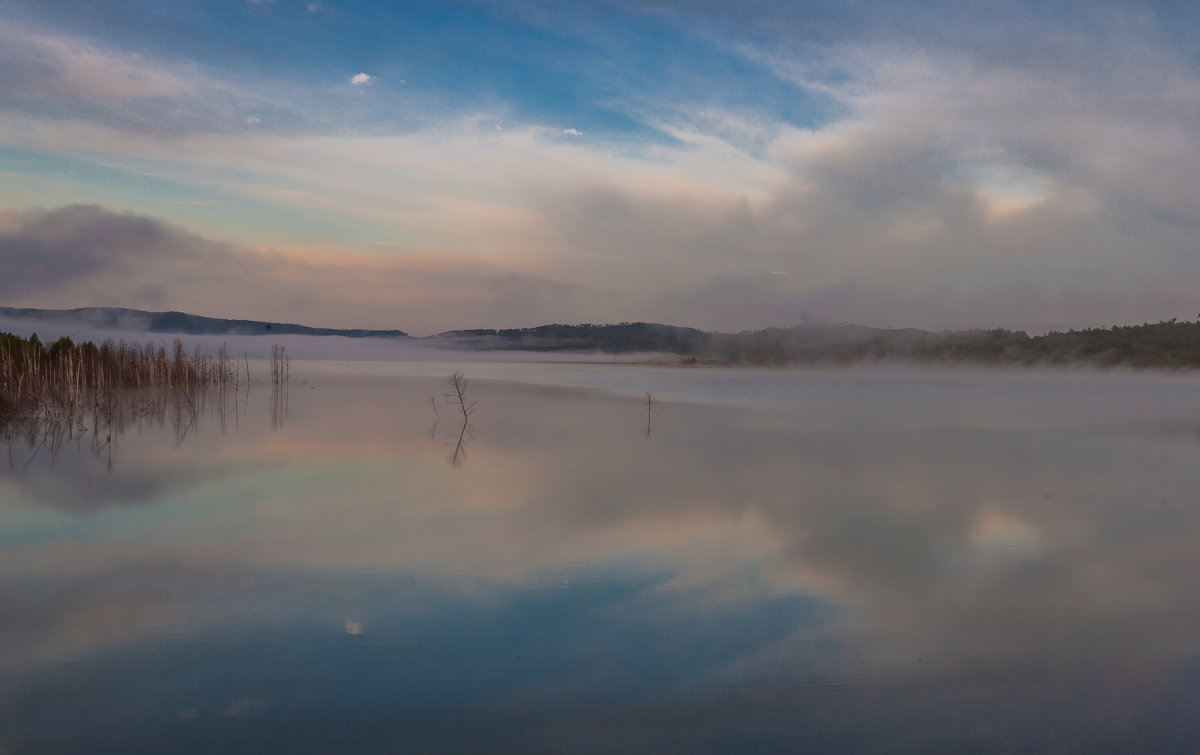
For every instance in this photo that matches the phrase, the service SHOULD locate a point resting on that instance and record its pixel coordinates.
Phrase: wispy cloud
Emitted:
(359, 79)
(67, 66)
(49, 77)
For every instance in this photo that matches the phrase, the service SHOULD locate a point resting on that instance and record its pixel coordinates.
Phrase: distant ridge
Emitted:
(1169, 343)
(747, 346)
(120, 318)
(622, 337)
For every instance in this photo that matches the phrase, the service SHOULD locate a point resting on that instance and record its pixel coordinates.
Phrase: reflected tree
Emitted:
(281, 372)
(649, 407)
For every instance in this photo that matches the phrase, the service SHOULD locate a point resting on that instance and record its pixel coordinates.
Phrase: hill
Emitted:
(619, 338)
(121, 319)
(1164, 344)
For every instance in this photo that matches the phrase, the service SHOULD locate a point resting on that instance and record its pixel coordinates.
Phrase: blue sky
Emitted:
(726, 165)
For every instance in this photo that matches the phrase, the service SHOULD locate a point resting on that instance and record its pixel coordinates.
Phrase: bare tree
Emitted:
(458, 381)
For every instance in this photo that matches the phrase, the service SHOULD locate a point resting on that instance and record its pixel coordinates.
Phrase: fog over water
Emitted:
(311, 347)
(830, 560)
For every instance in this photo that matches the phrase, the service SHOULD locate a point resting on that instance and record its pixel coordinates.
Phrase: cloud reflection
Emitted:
(932, 543)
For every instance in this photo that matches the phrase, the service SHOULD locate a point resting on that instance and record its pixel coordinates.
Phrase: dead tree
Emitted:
(459, 383)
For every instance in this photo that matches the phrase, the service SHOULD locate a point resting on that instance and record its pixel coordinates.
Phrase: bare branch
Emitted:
(458, 381)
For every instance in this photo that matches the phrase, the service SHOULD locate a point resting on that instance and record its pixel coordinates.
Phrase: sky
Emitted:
(721, 164)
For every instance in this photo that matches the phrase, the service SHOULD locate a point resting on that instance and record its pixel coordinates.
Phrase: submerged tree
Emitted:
(458, 381)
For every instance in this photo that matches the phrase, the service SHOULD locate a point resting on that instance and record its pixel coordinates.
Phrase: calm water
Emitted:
(818, 561)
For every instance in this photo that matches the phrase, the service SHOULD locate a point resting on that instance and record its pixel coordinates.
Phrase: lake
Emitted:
(850, 560)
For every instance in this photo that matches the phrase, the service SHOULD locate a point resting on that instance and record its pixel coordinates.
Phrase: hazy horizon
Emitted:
(440, 166)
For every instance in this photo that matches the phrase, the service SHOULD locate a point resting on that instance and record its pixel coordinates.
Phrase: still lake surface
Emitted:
(772, 560)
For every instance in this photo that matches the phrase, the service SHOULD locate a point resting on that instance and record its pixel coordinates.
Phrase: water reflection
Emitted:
(281, 371)
(459, 454)
(812, 575)
(104, 415)
(100, 418)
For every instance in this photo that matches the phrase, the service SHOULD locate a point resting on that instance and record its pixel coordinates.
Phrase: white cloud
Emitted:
(360, 78)
(572, 132)
(253, 120)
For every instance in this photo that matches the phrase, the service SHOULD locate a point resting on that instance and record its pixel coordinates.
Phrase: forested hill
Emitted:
(120, 318)
(1163, 344)
(622, 337)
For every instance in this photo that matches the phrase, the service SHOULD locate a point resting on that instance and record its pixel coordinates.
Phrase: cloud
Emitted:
(48, 77)
(89, 256)
(359, 79)
(314, 8)
(45, 251)
(66, 67)
(788, 500)
(905, 206)
(950, 167)
(728, 302)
